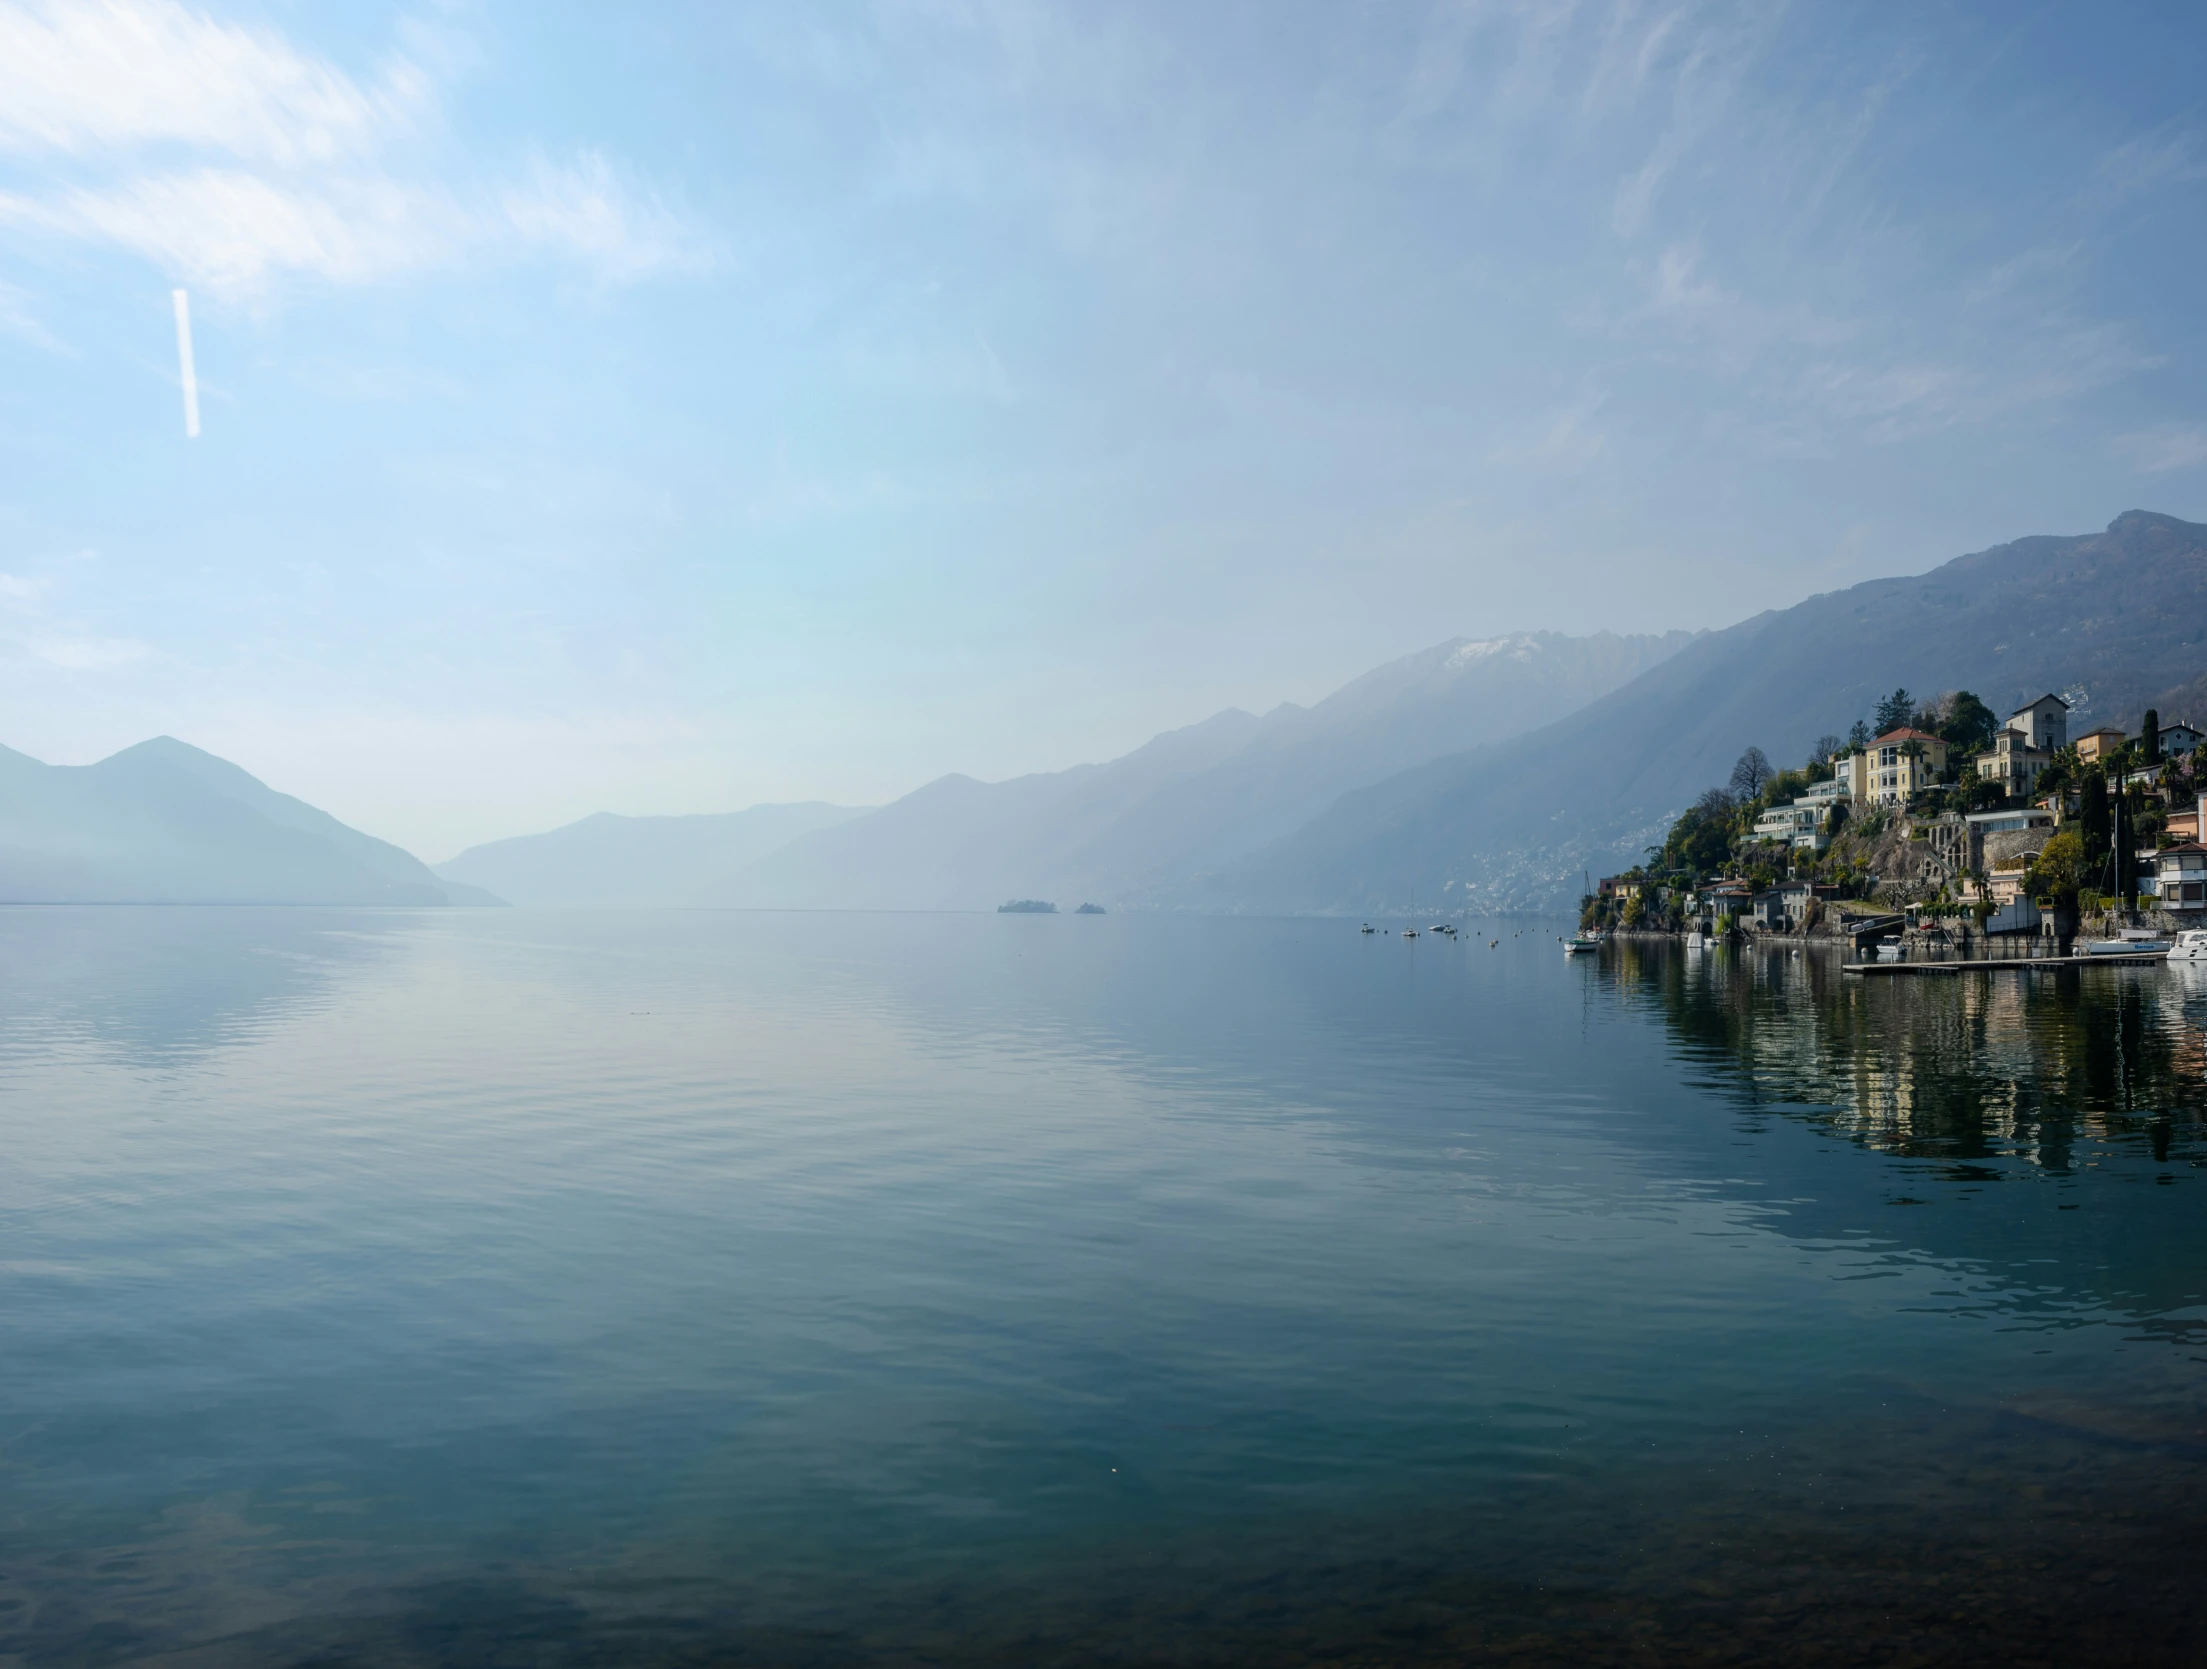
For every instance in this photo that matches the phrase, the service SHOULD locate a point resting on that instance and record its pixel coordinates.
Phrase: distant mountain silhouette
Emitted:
(2112, 620)
(1485, 775)
(166, 823)
(1169, 817)
(638, 861)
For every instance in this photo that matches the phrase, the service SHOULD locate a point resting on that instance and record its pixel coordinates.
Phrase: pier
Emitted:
(2009, 964)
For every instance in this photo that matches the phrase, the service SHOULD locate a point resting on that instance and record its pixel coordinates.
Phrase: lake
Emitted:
(518, 1287)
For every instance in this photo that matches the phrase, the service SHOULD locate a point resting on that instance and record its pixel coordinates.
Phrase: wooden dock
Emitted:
(2010, 964)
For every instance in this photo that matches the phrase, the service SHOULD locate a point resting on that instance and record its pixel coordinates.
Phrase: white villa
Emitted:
(2177, 878)
(2025, 746)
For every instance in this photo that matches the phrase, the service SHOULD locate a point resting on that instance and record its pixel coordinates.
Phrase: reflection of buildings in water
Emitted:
(2024, 1065)
(2009, 1064)
(2186, 991)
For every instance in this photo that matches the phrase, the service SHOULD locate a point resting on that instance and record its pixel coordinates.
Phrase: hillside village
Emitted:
(1943, 815)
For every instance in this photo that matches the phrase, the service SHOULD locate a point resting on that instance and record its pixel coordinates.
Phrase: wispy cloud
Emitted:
(97, 75)
(2150, 162)
(87, 654)
(1562, 441)
(2172, 446)
(236, 232)
(1903, 398)
(583, 210)
(232, 160)
(17, 320)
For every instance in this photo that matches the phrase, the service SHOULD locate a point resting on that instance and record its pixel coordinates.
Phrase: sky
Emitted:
(667, 408)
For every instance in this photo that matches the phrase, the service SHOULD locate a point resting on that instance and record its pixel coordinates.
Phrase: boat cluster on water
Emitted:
(1573, 946)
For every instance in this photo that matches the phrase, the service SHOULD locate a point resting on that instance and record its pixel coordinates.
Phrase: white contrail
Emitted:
(184, 363)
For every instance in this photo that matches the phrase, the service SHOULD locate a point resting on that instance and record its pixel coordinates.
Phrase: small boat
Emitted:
(2132, 941)
(1367, 928)
(1579, 942)
(1410, 933)
(2190, 946)
(1888, 950)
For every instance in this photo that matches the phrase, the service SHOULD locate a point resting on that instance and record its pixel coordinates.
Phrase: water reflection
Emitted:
(668, 1289)
(159, 986)
(2056, 1068)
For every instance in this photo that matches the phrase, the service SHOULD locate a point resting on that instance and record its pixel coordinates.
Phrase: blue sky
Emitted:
(671, 408)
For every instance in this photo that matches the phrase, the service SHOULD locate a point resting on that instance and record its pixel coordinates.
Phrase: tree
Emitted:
(2062, 772)
(2149, 738)
(2092, 819)
(2125, 851)
(1826, 745)
(1895, 711)
(1749, 775)
(1967, 725)
(2059, 870)
(1858, 736)
(1976, 793)
(1701, 839)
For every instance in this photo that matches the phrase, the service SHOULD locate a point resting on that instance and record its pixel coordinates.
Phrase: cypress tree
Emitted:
(2149, 738)
(2092, 819)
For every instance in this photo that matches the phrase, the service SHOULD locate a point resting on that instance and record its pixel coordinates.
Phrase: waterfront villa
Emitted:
(1796, 824)
(2176, 876)
(1895, 768)
(1787, 904)
(1805, 822)
(2025, 746)
(1728, 899)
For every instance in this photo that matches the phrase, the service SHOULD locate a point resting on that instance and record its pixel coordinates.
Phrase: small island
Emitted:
(1089, 910)
(1027, 907)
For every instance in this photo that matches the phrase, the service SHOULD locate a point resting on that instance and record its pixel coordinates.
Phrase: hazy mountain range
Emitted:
(607, 860)
(1137, 831)
(165, 823)
(2114, 621)
(1480, 775)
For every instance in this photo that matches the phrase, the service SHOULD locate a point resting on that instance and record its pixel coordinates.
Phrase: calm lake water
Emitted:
(512, 1287)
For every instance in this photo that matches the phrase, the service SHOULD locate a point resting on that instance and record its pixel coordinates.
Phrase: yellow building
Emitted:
(1895, 768)
(2095, 745)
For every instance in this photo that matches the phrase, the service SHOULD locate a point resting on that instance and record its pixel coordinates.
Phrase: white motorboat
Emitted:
(2190, 946)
